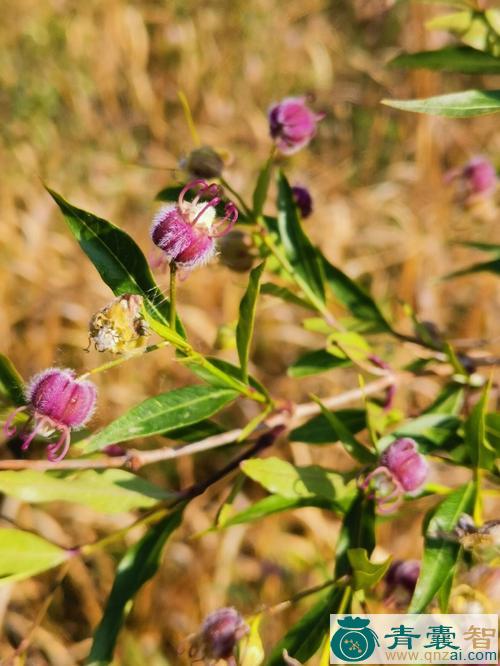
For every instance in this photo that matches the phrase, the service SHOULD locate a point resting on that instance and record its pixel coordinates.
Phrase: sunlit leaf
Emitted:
(315, 362)
(455, 105)
(262, 187)
(366, 574)
(11, 382)
(23, 554)
(109, 491)
(167, 411)
(285, 294)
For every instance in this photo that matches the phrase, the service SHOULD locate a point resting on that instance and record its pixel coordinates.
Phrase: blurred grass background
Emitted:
(89, 105)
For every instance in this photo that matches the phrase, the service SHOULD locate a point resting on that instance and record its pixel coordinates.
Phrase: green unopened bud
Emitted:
(119, 327)
(236, 251)
(203, 162)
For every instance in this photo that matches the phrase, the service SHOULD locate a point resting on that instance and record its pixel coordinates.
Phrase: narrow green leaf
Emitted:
(304, 639)
(455, 105)
(109, 491)
(281, 477)
(138, 565)
(475, 432)
(315, 362)
(431, 431)
(285, 294)
(451, 59)
(354, 448)
(366, 573)
(11, 382)
(440, 553)
(449, 401)
(492, 266)
(229, 370)
(23, 554)
(358, 531)
(262, 188)
(301, 254)
(167, 411)
(117, 257)
(246, 320)
(320, 430)
(277, 504)
(355, 299)
(195, 432)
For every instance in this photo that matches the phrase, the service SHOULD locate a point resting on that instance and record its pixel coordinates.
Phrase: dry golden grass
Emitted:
(88, 94)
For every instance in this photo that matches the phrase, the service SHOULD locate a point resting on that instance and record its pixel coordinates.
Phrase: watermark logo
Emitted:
(354, 640)
(407, 639)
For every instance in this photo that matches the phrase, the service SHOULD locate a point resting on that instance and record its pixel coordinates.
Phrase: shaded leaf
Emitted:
(431, 431)
(285, 294)
(315, 362)
(440, 553)
(306, 636)
(11, 382)
(358, 531)
(117, 257)
(320, 430)
(299, 251)
(138, 565)
(109, 491)
(355, 299)
(451, 59)
(492, 266)
(262, 188)
(172, 410)
(195, 432)
(455, 105)
(23, 554)
(246, 320)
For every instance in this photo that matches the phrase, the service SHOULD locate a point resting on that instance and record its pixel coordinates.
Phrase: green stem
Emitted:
(345, 601)
(122, 359)
(173, 295)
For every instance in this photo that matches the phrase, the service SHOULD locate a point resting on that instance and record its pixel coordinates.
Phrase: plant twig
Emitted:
(135, 459)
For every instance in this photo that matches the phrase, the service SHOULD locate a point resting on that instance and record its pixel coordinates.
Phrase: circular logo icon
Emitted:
(354, 640)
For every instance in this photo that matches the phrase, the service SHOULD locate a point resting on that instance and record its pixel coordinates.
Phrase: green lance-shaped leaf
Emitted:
(315, 362)
(108, 491)
(23, 554)
(285, 294)
(431, 431)
(246, 321)
(366, 574)
(300, 253)
(304, 639)
(355, 299)
(11, 382)
(455, 105)
(262, 188)
(451, 59)
(277, 504)
(358, 531)
(480, 450)
(320, 430)
(281, 477)
(117, 257)
(354, 448)
(138, 565)
(440, 552)
(492, 266)
(167, 411)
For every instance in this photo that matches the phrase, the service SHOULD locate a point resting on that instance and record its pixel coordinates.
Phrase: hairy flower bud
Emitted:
(406, 463)
(292, 124)
(303, 200)
(203, 162)
(186, 231)
(119, 326)
(57, 401)
(218, 636)
(235, 251)
(403, 573)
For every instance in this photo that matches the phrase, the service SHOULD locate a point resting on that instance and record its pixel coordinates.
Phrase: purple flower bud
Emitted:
(292, 124)
(303, 200)
(476, 178)
(186, 231)
(403, 573)
(219, 635)
(56, 402)
(404, 461)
